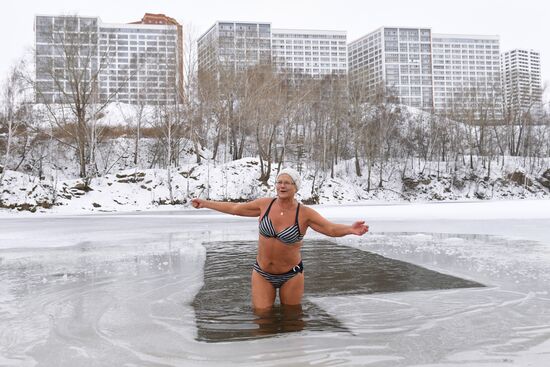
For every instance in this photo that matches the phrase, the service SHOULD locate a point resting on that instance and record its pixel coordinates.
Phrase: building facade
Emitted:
(129, 63)
(430, 71)
(298, 53)
(521, 79)
(399, 60)
(466, 73)
(310, 53)
(63, 43)
(234, 46)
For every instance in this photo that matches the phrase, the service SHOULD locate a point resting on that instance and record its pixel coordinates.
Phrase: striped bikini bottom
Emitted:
(277, 280)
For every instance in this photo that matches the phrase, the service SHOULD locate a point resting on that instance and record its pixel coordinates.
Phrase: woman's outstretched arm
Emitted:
(326, 227)
(250, 209)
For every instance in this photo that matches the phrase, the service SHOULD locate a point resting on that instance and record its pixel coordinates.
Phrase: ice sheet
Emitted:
(116, 290)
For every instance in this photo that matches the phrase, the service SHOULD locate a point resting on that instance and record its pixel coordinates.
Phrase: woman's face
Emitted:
(285, 187)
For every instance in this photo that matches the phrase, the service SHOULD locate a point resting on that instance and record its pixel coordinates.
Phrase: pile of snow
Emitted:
(24, 192)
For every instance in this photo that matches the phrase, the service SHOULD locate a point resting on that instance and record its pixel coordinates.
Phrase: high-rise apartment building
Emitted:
(299, 53)
(466, 73)
(234, 45)
(429, 71)
(130, 63)
(311, 53)
(61, 43)
(396, 59)
(366, 61)
(521, 79)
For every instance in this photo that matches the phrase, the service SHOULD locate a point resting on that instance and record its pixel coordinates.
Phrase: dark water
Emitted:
(222, 307)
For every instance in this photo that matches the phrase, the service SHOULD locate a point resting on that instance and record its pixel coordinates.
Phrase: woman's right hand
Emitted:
(197, 203)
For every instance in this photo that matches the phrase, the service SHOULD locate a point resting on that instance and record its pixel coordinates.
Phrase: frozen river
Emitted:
(457, 284)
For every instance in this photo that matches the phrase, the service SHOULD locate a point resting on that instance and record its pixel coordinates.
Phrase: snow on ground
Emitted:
(115, 287)
(145, 189)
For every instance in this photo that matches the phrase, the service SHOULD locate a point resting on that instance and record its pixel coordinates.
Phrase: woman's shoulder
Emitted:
(307, 210)
(263, 201)
(310, 215)
(266, 199)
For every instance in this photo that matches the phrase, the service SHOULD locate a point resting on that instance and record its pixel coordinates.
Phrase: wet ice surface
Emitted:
(119, 291)
(505, 323)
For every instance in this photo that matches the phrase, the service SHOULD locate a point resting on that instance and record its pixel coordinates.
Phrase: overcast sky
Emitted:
(519, 23)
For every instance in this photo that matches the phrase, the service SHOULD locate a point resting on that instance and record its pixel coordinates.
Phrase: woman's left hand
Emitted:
(359, 228)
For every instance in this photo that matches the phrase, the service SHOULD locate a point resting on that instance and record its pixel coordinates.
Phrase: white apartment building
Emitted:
(141, 62)
(53, 36)
(427, 70)
(296, 52)
(234, 45)
(366, 61)
(130, 63)
(521, 79)
(466, 73)
(396, 58)
(312, 53)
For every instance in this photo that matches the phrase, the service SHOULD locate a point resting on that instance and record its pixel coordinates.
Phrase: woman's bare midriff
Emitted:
(276, 257)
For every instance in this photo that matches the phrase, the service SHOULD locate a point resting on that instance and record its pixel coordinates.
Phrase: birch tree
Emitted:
(13, 114)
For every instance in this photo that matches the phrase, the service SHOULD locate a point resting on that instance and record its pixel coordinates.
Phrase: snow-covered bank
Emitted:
(144, 189)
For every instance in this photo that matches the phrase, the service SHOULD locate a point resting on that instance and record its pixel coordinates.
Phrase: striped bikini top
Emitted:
(288, 235)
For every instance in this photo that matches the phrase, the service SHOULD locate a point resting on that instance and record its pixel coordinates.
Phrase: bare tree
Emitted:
(385, 116)
(357, 115)
(521, 121)
(265, 108)
(14, 110)
(192, 106)
(68, 69)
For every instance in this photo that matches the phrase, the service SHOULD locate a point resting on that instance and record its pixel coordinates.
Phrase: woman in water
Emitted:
(282, 226)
